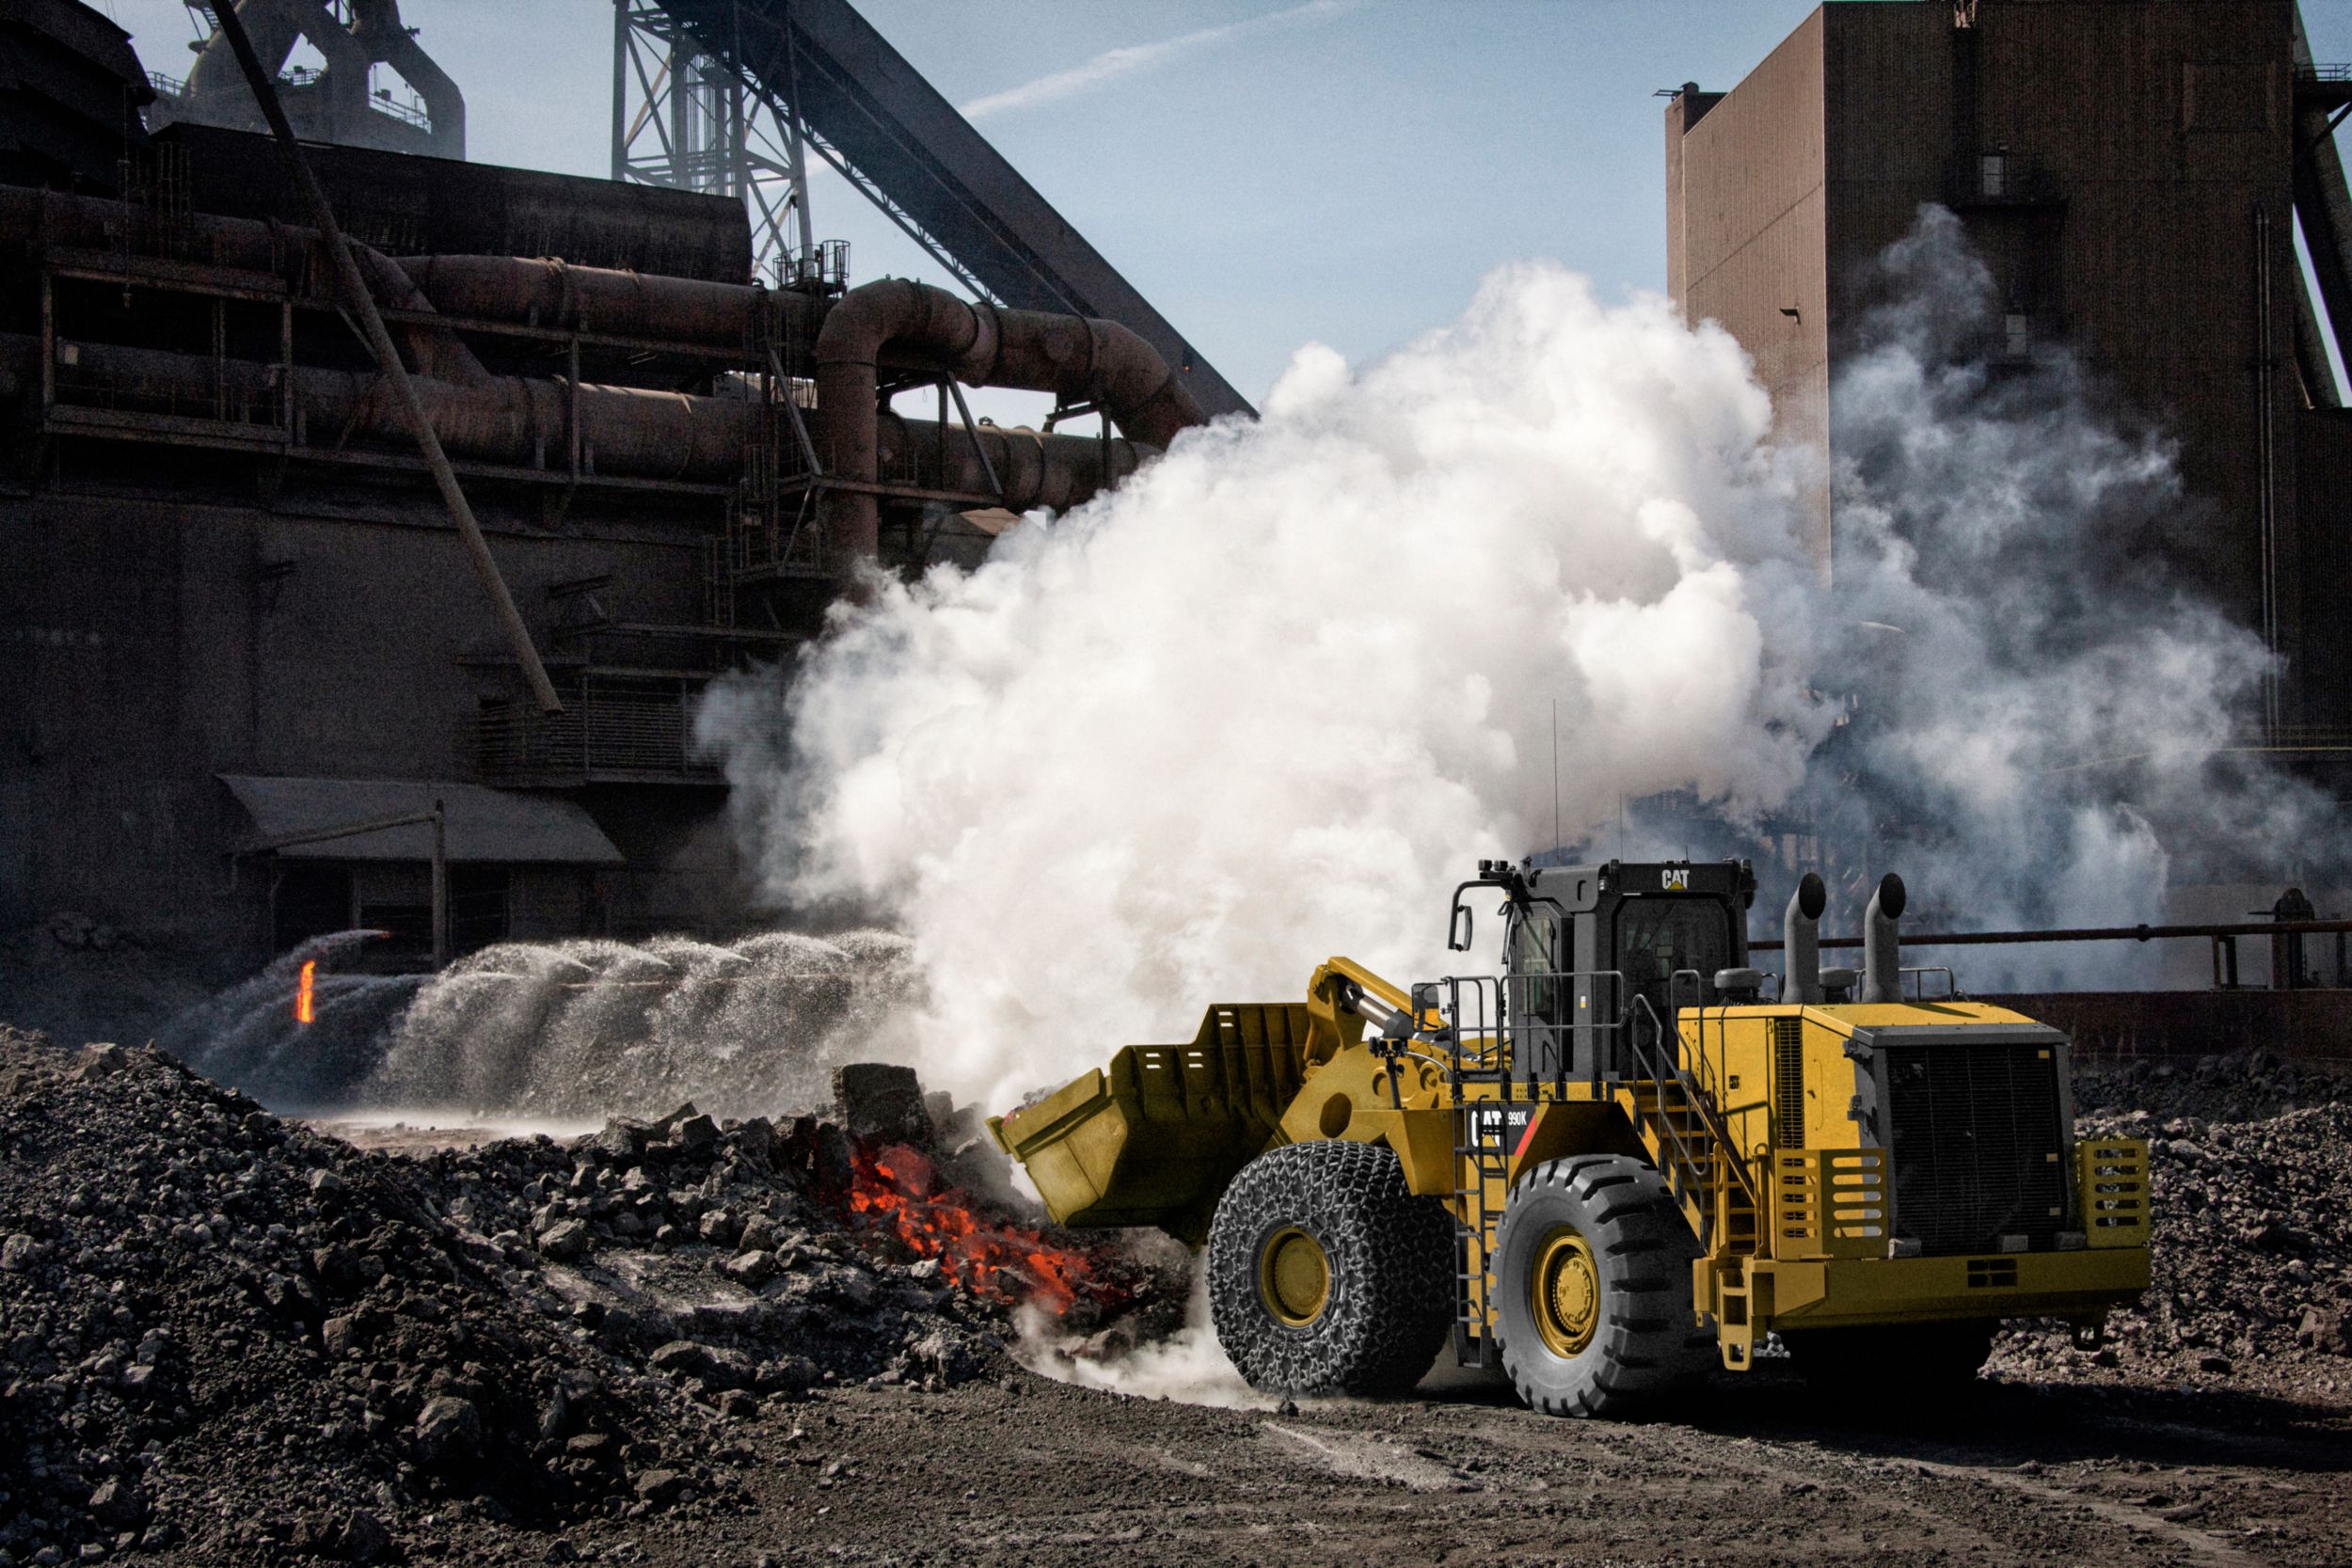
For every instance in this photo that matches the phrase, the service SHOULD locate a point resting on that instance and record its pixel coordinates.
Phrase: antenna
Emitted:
(1555, 773)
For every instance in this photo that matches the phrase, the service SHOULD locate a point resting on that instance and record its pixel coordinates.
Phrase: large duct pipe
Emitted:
(553, 294)
(1035, 469)
(623, 431)
(90, 222)
(912, 325)
(1882, 943)
(1800, 945)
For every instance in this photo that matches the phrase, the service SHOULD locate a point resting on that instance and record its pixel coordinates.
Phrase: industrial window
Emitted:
(2016, 335)
(1993, 174)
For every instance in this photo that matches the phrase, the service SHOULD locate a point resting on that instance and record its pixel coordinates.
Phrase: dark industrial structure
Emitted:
(339, 102)
(2133, 172)
(250, 678)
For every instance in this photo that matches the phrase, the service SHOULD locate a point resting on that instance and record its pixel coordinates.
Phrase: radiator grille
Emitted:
(1789, 1082)
(1978, 1146)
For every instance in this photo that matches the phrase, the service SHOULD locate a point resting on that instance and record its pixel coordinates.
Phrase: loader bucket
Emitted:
(1153, 1137)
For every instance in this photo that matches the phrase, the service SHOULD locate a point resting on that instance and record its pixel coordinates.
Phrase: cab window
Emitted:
(1534, 958)
(1657, 937)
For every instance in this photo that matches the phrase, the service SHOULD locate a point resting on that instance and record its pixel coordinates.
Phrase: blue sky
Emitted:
(1266, 172)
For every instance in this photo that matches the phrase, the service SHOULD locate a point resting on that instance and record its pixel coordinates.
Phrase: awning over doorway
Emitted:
(480, 824)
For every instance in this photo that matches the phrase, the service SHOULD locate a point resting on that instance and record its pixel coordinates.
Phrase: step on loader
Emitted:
(1618, 1163)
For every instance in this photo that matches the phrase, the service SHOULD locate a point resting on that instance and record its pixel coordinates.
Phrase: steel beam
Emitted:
(824, 70)
(388, 360)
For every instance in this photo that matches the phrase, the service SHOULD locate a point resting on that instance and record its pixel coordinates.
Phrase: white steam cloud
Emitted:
(1274, 696)
(2049, 705)
(1272, 699)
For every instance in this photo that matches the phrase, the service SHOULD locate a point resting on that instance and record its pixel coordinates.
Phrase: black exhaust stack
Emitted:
(1882, 946)
(1800, 945)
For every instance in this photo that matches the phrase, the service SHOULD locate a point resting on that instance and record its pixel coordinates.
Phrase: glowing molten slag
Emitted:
(306, 997)
(895, 1187)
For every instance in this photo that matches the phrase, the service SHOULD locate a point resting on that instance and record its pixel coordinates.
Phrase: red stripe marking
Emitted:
(1520, 1148)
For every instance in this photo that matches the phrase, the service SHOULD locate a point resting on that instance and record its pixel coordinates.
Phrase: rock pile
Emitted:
(2253, 1266)
(230, 1335)
(2242, 1086)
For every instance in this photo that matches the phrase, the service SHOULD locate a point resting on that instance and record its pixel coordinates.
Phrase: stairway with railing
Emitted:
(1679, 1121)
(1633, 1059)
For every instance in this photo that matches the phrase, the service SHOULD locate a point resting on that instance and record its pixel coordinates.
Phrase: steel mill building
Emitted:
(2134, 171)
(245, 656)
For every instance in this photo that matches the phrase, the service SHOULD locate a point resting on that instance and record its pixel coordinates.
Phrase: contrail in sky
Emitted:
(1114, 63)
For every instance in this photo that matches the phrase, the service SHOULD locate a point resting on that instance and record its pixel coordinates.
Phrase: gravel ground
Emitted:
(231, 1339)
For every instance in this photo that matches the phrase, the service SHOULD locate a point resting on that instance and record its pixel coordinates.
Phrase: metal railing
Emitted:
(1917, 975)
(1515, 1022)
(1505, 1030)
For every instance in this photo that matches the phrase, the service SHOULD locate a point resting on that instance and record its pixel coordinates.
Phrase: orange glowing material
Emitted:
(895, 1188)
(306, 999)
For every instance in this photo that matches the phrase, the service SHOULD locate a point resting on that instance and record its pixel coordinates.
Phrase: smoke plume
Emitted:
(1272, 698)
(2049, 712)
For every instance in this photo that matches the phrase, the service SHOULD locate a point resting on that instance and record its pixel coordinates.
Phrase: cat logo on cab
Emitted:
(1674, 880)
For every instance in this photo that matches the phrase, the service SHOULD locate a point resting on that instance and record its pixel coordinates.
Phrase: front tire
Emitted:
(1592, 1281)
(1327, 1274)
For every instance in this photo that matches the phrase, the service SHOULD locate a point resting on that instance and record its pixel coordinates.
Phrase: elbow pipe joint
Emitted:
(1881, 942)
(1800, 932)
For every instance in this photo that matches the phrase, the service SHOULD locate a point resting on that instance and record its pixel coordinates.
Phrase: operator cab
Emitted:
(1591, 952)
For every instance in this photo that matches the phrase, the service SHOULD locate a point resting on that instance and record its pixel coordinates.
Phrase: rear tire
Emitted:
(1592, 1281)
(1854, 1366)
(1327, 1274)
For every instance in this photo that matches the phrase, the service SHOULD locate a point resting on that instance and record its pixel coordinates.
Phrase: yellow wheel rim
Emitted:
(1564, 1293)
(1294, 1276)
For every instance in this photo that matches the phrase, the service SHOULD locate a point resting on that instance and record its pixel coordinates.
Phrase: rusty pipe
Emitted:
(622, 430)
(544, 291)
(52, 219)
(625, 431)
(1036, 469)
(908, 326)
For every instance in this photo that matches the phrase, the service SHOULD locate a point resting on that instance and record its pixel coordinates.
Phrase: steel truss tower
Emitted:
(684, 119)
(734, 96)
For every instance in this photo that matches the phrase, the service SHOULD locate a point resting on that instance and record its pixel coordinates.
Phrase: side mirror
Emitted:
(1457, 932)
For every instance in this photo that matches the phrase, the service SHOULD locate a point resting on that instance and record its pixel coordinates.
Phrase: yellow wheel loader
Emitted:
(1616, 1165)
